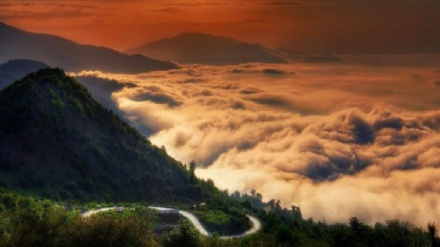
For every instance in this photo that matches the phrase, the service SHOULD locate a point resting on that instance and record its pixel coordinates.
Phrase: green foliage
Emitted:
(32, 227)
(284, 236)
(77, 106)
(224, 223)
(192, 167)
(29, 221)
(393, 233)
(109, 230)
(184, 236)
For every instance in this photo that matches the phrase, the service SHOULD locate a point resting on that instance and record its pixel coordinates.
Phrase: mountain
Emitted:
(59, 52)
(56, 141)
(21, 67)
(205, 49)
(304, 57)
(15, 69)
(5, 79)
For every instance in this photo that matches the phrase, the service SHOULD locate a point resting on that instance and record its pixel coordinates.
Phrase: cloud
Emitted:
(274, 72)
(157, 97)
(167, 10)
(250, 90)
(272, 100)
(282, 3)
(338, 141)
(43, 10)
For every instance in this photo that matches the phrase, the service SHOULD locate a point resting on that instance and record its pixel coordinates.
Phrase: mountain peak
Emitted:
(57, 141)
(5, 27)
(202, 48)
(193, 34)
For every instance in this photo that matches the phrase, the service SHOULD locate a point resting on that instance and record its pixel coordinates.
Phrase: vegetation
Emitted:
(27, 221)
(30, 221)
(225, 222)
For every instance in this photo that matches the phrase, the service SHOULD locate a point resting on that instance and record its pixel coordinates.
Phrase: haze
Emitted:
(363, 26)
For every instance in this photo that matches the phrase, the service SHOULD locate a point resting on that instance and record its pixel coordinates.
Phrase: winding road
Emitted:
(256, 224)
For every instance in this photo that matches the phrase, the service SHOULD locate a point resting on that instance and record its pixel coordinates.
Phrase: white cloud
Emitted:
(338, 141)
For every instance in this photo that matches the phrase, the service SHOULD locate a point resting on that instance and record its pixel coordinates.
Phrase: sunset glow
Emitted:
(303, 25)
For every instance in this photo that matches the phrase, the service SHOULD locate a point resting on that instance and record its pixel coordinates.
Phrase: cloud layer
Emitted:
(338, 141)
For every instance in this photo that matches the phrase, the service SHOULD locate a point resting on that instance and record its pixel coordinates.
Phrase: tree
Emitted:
(432, 229)
(185, 236)
(253, 192)
(236, 195)
(192, 167)
(259, 197)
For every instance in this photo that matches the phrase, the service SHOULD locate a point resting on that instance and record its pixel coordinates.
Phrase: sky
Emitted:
(336, 140)
(339, 26)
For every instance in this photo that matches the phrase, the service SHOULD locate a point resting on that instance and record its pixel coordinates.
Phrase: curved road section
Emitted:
(190, 217)
(256, 225)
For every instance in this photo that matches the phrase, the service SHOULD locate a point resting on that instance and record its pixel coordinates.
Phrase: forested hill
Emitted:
(56, 141)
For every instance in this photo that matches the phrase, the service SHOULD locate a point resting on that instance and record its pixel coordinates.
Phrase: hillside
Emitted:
(102, 90)
(15, 69)
(56, 141)
(205, 49)
(5, 79)
(59, 52)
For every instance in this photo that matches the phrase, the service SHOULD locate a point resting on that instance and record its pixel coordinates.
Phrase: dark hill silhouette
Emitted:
(5, 79)
(56, 141)
(59, 52)
(15, 69)
(305, 57)
(21, 67)
(205, 49)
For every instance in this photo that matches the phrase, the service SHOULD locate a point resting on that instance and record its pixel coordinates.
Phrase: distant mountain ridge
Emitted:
(60, 52)
(56, 141)
(15, 69)
(208, 49)
(305, 57)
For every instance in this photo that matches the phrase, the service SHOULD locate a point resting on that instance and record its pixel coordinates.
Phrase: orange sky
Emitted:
(305, 25)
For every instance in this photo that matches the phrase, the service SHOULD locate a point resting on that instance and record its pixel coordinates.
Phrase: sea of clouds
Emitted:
(336, 140)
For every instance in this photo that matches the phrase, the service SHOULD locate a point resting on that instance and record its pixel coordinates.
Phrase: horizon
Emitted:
(363, 27)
